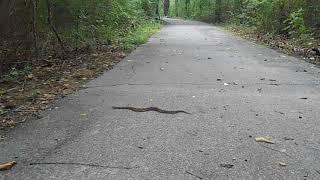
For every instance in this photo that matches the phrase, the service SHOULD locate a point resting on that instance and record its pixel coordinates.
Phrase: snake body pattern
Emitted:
(150, 109)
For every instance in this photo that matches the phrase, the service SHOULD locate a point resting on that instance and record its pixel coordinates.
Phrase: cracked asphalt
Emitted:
(235, 91)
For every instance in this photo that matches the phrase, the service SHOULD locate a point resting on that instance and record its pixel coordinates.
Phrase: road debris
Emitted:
(192, 174)
(274, 84)
(280, 112)
(288, 138)
(264, 140)
(7, 166)
(282, 164)
(229, 166)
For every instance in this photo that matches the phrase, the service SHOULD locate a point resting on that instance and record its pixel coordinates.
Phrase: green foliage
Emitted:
(297, 18)
(26, 33)
(138, 36)
(80, 22)
(16, 73)
(296, 24)
(106, 21)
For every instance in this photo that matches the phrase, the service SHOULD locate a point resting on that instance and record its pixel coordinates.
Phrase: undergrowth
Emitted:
(138, 36)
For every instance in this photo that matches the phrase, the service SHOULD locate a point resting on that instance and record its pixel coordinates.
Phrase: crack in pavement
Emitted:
(83, 164)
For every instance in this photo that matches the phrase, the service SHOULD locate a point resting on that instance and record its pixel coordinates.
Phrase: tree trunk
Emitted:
(166, 7)
(176, 5)
(218, 11)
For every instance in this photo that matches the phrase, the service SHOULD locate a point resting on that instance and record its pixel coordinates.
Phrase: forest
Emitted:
(292, 17)
(273, 20)
(32, 28)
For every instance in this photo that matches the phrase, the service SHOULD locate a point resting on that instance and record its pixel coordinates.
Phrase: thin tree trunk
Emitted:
(34, 25)
(53, 28)
(176, 4)
(166, 7)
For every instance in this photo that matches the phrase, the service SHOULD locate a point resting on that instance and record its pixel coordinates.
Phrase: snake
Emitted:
(156, 109)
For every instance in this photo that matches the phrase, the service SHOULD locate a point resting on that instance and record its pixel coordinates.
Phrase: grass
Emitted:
(139, 36)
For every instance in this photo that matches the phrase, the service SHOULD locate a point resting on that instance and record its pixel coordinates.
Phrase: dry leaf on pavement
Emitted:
(7, 166)
(282, 164)
(264, 139)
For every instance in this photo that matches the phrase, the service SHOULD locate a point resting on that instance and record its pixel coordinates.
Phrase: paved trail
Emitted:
(235, 91)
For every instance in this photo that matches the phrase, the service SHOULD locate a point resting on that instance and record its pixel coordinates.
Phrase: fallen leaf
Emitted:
(259, 90)
(30, 76)
(95, 55)
(264, 140)
(282, 164)
(122, 55)
(7, 166)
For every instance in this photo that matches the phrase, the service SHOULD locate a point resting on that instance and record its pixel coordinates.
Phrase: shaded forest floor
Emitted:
(24, 94)
(309, 52)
